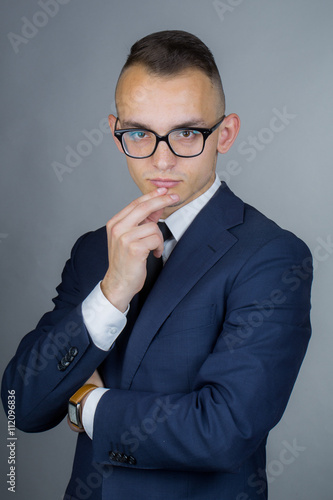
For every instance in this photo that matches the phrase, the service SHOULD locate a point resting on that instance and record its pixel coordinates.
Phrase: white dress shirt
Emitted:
(105, 322)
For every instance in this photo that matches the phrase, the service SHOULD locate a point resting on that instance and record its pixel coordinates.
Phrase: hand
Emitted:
(72, 427)
(132, 234)
(95, 379)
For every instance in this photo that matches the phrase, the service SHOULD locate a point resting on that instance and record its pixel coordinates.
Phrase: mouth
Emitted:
(167, 183)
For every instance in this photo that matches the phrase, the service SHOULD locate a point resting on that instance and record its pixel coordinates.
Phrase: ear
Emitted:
(228, 132)
(112, 124)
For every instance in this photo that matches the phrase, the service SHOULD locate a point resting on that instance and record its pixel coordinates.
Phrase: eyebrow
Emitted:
(187, 124)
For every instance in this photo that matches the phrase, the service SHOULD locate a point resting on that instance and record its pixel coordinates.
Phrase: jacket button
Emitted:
(123, 459)
(131, 460)
(73, 351)
(112, 455)
(62, 365)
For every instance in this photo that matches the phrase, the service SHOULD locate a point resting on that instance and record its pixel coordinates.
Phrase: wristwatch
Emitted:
(74, 404)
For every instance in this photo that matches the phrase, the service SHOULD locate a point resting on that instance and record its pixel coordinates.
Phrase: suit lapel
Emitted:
(204, 243)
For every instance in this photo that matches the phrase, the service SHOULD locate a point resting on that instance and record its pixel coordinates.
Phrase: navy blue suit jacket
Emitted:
(197, 378)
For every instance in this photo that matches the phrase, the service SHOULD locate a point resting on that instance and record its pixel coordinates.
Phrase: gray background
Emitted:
(272, 55)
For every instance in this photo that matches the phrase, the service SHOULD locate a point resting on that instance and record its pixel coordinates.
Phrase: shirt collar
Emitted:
(180, 220)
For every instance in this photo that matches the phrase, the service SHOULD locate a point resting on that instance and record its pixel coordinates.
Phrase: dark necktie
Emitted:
(154, 266)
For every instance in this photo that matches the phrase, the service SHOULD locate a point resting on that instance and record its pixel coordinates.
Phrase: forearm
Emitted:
(237, 399)
(196, 431)
(39, 375)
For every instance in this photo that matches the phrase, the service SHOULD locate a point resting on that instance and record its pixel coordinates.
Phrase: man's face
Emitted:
(162, 104)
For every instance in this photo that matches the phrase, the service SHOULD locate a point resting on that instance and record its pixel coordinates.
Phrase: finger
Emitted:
(157, 253)
(147, 209)
(141, 233)
(155, 216)
(153, 243)
(146, 236)
(128, 209)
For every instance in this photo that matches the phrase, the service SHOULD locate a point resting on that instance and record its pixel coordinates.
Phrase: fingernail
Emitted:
(162, 190)
(174, 197)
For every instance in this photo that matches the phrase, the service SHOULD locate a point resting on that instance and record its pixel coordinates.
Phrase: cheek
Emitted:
(135, 177)
(200, 170)
(134, 169)
(138, 172)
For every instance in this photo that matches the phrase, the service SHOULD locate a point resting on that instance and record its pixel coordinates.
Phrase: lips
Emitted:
(167, 183)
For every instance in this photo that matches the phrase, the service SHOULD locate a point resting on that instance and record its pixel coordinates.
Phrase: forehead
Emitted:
(157, 100)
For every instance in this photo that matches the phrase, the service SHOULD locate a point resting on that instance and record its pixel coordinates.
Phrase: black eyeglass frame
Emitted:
(206, 132)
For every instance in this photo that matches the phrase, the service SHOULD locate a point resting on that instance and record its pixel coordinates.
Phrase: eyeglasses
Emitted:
(184, 142)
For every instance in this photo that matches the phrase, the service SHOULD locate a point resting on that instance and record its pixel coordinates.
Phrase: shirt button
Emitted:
(113, 330)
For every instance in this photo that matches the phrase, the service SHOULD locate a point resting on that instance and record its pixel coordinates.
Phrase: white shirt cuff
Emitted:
(89, 409)
(103, 321)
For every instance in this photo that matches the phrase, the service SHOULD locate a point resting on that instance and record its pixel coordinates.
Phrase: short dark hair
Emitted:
(167, 53)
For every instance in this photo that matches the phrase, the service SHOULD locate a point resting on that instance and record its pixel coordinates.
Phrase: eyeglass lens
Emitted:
(141, 143)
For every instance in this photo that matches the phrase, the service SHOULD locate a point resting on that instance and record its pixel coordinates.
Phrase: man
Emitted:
(175, 383)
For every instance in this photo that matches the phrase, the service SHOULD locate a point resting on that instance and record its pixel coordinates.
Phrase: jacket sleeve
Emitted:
(241, 389)
(48, 366)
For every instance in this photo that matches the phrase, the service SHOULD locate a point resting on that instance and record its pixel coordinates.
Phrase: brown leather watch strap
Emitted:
(74, 405)
(83, 391)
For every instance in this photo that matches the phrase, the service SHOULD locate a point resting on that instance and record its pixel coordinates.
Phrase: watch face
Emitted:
(72, 413)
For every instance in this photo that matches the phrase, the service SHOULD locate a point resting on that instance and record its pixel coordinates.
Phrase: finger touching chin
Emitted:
(155, 216)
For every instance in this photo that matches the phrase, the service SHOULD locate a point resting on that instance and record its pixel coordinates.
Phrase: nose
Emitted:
(163, 158)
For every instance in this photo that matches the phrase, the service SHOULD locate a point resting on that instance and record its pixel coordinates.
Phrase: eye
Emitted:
(188, 134)
(138, 135)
